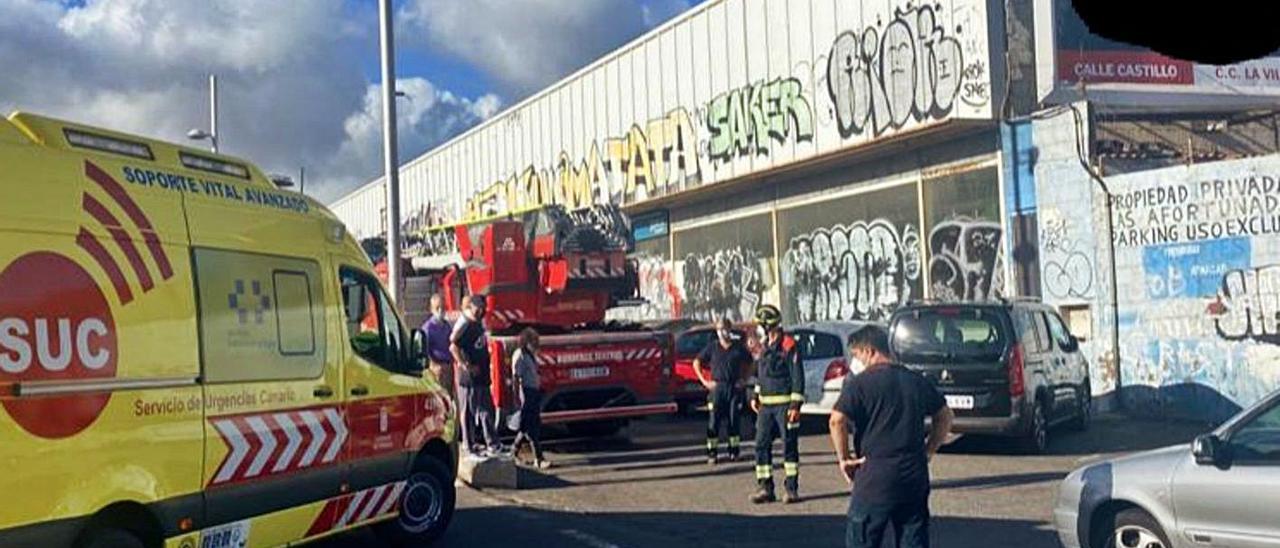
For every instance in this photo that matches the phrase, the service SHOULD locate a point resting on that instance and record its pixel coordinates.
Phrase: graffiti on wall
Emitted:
(1067, 268)
(658, 288)
(725, 283)
(863, 270)
(1248, 307)
(747, 120)
(910, 69)
(966, 259)
(650, 160)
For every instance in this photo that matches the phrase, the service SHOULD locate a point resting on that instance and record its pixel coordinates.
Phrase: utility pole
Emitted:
(389, 152)
(302, 180)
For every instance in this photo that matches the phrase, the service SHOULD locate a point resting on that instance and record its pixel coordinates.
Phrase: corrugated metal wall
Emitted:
(732, 88)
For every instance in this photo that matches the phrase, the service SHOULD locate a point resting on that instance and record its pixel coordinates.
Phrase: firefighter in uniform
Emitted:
(777, 399)
(727, 358)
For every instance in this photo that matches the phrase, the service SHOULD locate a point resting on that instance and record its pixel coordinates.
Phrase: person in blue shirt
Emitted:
(438, 330)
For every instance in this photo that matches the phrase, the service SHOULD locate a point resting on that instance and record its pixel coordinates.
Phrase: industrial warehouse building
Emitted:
(839, 158)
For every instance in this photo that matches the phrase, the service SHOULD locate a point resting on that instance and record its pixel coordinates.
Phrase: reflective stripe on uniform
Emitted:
(793, 425)
(712, 443)
(734, 441)
(796, 396)
(781, 399)
(792, 468)
(763, 471)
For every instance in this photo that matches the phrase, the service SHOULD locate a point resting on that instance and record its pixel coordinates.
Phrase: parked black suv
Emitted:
(1007, 368)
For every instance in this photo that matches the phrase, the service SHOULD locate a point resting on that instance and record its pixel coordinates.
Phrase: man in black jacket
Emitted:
(778, 396)
(887, 404)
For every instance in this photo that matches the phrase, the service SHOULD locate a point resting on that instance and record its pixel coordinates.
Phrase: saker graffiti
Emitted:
(745, 120)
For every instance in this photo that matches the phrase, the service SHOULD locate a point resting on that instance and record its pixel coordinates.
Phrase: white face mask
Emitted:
(762, 333)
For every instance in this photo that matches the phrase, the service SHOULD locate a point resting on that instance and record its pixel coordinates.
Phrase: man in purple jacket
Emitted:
(438, 331)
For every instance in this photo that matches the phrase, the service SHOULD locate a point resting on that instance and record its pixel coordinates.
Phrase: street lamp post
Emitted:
(389, 152)
(212, 134)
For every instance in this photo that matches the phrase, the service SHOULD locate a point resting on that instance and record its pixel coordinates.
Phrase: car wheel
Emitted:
(110, 538)
(1084, 410)
(1134, 528)
(426, 507)
(1036, 440)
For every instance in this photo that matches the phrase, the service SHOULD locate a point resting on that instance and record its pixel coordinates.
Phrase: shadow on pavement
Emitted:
(1107, 434)
(506, 526)
(996, 482)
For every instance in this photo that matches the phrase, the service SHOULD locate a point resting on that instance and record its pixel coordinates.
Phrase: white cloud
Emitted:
(292, 87)
(528, 44)
(425, 117)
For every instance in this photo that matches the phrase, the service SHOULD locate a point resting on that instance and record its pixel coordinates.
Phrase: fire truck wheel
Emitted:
(111, 538)
(595, 429)
(426, 507)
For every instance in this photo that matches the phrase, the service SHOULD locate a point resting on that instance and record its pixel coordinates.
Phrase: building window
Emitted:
(965, 236)
(851, 258)
(725, 269)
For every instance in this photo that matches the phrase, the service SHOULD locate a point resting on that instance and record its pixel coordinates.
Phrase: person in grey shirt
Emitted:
(525, 370)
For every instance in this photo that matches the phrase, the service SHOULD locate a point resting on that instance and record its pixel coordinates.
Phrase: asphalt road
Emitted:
(653, 488)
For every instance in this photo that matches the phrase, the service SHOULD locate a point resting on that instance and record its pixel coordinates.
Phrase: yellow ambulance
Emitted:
(192, 357)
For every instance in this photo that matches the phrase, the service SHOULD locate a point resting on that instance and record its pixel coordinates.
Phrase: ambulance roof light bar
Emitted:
(213, 165)
(103, 143)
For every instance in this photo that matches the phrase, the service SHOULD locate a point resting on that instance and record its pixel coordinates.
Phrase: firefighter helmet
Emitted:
(768, 316)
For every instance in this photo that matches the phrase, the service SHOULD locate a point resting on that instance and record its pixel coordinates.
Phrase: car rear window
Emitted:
(949, 334)
(689, 344)
(814, 346)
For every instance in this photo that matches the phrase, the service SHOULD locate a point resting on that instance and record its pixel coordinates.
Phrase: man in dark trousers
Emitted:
(470, 348)
(778, 396)
(889, 469)
(727, 358)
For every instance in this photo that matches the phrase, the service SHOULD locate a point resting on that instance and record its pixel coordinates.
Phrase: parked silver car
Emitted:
(1222, 490)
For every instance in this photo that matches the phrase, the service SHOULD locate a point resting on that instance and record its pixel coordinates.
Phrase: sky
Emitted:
(299, 80)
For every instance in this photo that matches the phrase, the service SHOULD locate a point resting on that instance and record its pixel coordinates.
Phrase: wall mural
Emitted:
(863, 270)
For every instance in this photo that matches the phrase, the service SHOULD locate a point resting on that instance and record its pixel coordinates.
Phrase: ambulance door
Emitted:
(383, 390)
(276, 435)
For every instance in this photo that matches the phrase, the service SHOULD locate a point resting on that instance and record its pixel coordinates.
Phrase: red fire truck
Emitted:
(556, 271)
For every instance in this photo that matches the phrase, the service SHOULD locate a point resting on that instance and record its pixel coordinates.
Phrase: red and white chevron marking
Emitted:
(266, 444)
(357, 508)
(509, 316)
(546, 359)
(636, 354)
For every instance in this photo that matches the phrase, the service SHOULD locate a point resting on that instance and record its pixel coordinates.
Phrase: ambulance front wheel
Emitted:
(426, 506)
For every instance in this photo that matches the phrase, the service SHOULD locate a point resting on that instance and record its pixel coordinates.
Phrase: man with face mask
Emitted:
(726, 357)
(470, 348)
(778, 396)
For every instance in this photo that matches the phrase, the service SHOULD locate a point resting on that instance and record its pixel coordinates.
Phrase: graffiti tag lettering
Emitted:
(744, 120)
(726, 283)
(965, 260)
(860, 271)
(881, 80)
(1248, 306)
(646, 162)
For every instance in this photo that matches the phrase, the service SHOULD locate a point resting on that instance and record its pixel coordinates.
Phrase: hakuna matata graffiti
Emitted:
(863, 270)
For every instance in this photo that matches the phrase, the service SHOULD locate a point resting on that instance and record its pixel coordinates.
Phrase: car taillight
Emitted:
(1016, 385)
(835, 370)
